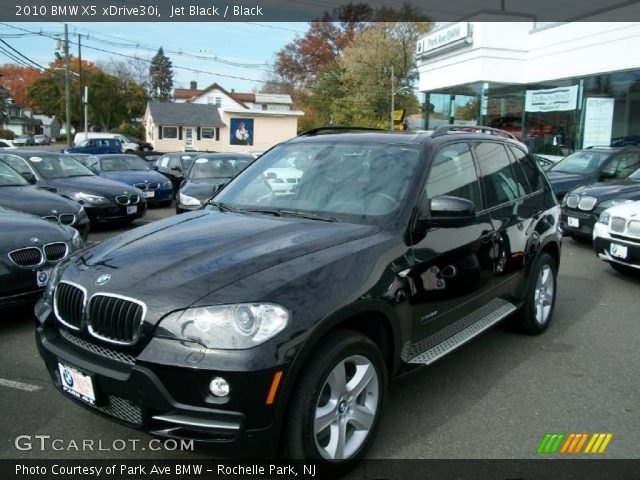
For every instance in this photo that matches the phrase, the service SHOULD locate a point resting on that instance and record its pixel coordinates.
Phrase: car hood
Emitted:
(91, 184)
(172, 263)
(25, 228)
(132, 177)
(563, 182)
(626, 210)
(36, 201)
(606, 191)
(202, 189)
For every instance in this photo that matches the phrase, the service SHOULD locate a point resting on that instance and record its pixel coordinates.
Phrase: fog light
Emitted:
(219, 387)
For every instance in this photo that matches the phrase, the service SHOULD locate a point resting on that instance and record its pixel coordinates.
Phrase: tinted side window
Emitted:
(498, 180)
(454, 173)
(529, 166)
(17, 163)
(623, 165)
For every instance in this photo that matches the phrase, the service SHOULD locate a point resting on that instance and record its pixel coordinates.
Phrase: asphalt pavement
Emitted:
(494, 398)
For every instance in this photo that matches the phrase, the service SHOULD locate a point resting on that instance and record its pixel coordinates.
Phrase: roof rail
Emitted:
(445, 129)
(328, 130)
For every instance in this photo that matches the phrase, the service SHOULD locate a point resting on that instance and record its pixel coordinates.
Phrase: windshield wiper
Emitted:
(223, 207)
(277, 212)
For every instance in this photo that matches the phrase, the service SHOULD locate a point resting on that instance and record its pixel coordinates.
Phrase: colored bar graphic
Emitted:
(573, 443)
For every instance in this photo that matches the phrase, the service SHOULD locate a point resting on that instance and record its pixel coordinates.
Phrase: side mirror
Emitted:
(29, 177)
(218, 187)
(607, 175)
(448, 211)
(175, 168)
(154, 167)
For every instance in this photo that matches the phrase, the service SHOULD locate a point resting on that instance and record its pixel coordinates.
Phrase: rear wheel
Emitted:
(537, 311)
(336, 406)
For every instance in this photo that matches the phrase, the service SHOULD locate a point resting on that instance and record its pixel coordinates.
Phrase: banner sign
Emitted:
(552, 99)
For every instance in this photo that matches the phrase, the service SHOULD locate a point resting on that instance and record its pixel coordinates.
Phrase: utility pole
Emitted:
(67, 85)
(393, 96)
(86, 113)
(79, 79)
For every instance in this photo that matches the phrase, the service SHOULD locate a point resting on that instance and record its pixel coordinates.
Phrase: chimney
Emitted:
(194, 85)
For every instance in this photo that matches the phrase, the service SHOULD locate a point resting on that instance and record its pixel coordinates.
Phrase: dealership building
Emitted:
(556, 86)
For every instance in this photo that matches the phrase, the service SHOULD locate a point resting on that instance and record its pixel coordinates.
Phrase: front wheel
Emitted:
(537, 310)
(336, 406)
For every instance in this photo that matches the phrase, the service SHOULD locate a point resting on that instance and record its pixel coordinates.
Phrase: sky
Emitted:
(235, 55)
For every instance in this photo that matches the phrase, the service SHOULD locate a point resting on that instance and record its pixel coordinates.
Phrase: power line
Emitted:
(23, 56)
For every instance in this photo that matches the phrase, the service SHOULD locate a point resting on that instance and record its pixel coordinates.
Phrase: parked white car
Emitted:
(616, 237)
(6, 144)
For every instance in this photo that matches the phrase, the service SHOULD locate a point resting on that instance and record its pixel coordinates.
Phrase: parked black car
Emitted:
(592, 165)
(581, 208)
(17, 194)
(150, 156)
(277, 320)
(132, 170)
(104, 200)
(29, 253)
(143, 146)
(208, 171)
(174, 165)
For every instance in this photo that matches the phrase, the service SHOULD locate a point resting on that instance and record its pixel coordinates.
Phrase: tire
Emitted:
(537, 311)
(324, 386)
(624, 269)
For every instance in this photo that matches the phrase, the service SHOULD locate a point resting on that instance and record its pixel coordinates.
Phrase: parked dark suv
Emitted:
(278, 320)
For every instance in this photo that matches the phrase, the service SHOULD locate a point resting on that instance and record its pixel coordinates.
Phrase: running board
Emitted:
(448, 339)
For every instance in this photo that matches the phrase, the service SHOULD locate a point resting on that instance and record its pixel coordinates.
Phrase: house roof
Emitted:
(185, 93)
(46, 120)
(243, 97)
(190, 114)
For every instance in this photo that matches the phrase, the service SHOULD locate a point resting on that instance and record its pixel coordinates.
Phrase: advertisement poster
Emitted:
(241, 131)
(552, 99)
(598, 120)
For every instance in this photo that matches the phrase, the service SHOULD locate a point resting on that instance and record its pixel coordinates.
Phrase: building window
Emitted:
(210, 100)
(208, 133)
(169, 132)
(218, 101)
(265, 106)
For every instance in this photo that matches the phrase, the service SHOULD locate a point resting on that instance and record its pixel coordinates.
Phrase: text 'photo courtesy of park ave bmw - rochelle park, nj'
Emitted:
(314, 239)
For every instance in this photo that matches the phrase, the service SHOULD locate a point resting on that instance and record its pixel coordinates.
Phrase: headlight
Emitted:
(89, 198)
(227, 327)
(187, 200)
(54, 279)
(166, 185)
(76, 242)
(604, 218)
(616, 201)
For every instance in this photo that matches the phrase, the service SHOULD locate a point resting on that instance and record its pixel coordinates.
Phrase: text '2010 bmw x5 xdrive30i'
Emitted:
(278, 320)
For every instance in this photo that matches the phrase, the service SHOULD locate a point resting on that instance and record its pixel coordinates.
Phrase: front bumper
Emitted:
(602, 241)
(586, 221)
(114, 213)
(163, 391)
(160, 196)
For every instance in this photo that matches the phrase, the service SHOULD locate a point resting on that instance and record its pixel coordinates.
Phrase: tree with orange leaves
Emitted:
(16, 79)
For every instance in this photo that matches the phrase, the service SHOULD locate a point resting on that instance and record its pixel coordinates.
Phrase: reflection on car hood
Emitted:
(26, 229)
(91, 184)
(626, 210)
(131, 177)
(202, 189)
(610, 190)
(193, 254)
(36, 201)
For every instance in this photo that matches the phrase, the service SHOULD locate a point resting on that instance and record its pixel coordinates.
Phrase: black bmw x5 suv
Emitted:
(277, 321)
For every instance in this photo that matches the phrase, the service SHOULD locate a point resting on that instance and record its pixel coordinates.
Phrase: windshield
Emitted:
(350, 181)
(581, 162)
(635, 175)
(112, 164)
(216, 167)
(59, 166)
(9, 177)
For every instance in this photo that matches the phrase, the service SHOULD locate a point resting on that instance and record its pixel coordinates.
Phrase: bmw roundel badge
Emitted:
(102, 279)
